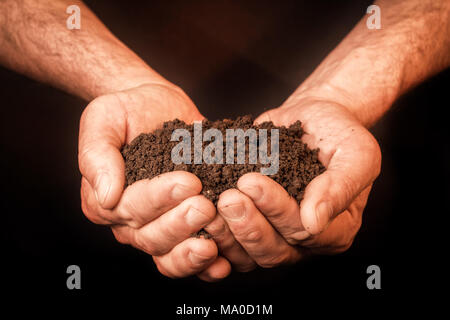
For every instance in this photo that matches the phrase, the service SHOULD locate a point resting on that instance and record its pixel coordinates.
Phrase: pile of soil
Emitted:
(149, 155)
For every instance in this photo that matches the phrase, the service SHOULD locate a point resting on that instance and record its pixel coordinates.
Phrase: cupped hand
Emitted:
(260, 224)
(158, 215)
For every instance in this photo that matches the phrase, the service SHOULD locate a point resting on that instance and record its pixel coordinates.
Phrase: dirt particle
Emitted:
(149, 155)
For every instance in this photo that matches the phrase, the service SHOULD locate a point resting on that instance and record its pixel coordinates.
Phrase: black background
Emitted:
(231, 58)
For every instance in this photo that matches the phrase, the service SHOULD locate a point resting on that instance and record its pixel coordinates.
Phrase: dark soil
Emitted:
(149, 155)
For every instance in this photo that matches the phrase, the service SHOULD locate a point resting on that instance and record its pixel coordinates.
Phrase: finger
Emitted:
(253, 231)
(218, 270)
(352, 168)
(145, 200)
(90, 206)
(187, 258)
(102, 134)
(273, 201)
(176, 225)
(341, 232)
(228, 246)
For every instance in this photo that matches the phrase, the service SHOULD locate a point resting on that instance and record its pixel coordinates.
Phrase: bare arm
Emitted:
(370, 69)
(89, 62)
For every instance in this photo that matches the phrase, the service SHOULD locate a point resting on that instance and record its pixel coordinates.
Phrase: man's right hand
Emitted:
(158, 215)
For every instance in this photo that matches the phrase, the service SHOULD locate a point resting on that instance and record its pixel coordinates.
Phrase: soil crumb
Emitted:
(149, 155)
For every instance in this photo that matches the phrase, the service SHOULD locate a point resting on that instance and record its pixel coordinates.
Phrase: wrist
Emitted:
(131, 77)
(366, 85)
(328, 94)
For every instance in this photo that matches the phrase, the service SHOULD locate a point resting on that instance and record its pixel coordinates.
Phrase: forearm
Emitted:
(35, 41)
(370, 69)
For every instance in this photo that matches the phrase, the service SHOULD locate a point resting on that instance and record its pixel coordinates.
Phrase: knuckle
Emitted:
(145, 244)
(120, 237)
(163, 270)
(254, 236)
(89, 214)
(91, 211)
(251, 235)
(85, 115)
(95, 218)
(347, 189)
(85, 157)
(126, 213)
(137, 240)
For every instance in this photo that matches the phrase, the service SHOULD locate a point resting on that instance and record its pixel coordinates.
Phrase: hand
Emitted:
(158, 215)
(259, 224)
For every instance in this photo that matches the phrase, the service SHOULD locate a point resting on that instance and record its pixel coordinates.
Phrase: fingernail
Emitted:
(323, 213)
(196, 218)
(180, 192)
(197, 259)
(233, 212)
(102, 188)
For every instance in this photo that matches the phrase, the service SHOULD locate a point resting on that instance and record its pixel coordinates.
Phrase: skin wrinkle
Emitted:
(343, 134)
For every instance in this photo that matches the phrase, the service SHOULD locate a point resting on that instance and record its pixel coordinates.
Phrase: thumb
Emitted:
(102, 134)
(353, 167)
